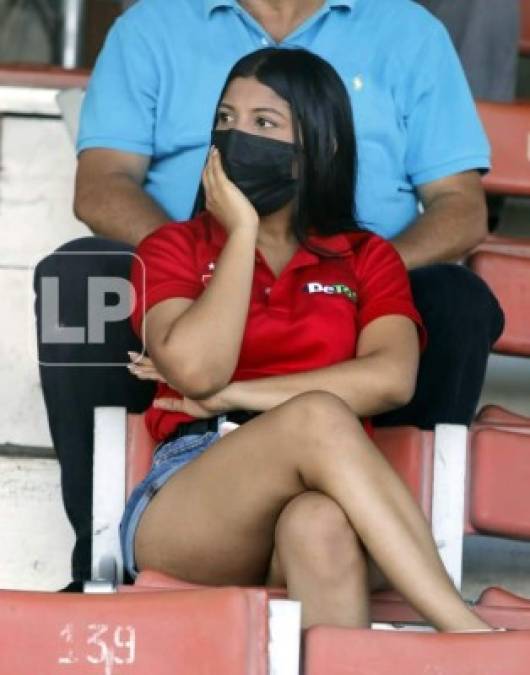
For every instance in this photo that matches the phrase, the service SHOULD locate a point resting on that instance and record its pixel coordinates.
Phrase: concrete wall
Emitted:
(36, 193)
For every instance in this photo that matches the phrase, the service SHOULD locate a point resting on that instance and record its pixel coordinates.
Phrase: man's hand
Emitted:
(453, 223)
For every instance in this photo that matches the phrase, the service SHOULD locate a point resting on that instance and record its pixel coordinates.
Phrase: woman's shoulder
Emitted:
(372, 254)
(364, 241)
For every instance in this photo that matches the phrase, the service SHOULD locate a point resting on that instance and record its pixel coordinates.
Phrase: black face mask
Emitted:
(262, 168)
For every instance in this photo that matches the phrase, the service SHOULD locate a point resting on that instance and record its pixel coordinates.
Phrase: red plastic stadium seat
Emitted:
(495, 243)
(508, 127)
(501, 608)
(42, 75)
(139, 452)
(409, 450)
(342, 651)
(149, 580)
(499, 500)
(500, 417)
(508, 276)
(222, 631)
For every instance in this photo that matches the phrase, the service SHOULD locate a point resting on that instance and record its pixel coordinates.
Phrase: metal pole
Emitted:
(73, 23)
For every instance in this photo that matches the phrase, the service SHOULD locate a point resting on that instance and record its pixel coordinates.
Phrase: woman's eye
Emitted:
(264, 123)
(223, 117)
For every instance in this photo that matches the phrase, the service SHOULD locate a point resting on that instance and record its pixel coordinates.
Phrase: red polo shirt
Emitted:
(307, 318)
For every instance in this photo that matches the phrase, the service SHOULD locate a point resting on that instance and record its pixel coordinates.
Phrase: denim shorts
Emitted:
(168, 458)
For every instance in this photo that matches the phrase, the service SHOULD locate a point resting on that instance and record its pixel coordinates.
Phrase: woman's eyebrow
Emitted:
(271, 110)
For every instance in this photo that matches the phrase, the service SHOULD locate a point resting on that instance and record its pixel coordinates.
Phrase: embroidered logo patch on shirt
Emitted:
(331, 289)
(206, 277)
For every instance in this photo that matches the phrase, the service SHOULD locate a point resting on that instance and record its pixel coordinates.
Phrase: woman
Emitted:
(273, 301)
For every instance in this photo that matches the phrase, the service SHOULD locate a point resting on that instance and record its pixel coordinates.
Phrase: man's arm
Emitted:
(109, 197)
(454, 221)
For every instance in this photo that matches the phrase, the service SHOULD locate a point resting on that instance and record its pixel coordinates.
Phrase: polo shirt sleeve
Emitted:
(119, 107)
(444, 132)
(164, 266)
(383, 286)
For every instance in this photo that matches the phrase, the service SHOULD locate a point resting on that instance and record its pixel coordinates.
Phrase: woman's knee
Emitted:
(318, 418)
(313, 530)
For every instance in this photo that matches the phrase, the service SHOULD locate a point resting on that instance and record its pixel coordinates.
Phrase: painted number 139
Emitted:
(104, 645)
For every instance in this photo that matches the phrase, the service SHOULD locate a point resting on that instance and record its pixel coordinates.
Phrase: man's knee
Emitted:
(66, 272)
(64, 258)
(457, 296)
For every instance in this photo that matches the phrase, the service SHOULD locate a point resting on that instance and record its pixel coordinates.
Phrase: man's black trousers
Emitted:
(462, 317)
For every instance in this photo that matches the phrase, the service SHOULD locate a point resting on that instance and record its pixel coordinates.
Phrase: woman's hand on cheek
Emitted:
(224, 200)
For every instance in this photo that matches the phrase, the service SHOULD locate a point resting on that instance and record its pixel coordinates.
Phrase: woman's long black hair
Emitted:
(323, 133)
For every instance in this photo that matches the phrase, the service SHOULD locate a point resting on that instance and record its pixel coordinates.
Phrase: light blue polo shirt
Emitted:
(158, 78)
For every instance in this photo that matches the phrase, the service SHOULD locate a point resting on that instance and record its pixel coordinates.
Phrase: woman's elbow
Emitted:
(195, 381)
(403, 395)
(400, 389)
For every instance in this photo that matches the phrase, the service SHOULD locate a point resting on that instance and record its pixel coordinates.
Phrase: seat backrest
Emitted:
(139, 452)
(332, 650)
(508, 276)
(212, 630)
(508, 128)
(410, 451)
(498, 476)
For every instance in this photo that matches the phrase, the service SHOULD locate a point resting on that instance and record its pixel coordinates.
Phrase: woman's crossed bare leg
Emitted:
(215, 520)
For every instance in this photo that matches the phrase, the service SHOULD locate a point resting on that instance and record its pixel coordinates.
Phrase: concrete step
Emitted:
(37, 538)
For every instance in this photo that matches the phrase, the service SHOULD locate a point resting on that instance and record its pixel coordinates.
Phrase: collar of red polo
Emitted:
(337, 244)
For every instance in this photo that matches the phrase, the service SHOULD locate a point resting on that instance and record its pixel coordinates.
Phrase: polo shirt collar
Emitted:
(336, 243)
(210, 5)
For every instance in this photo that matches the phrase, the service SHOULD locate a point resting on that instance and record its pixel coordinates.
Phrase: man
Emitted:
(145, 131)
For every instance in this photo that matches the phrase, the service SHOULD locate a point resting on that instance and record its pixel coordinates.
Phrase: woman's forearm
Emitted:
(367, 385)
(202, 345)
